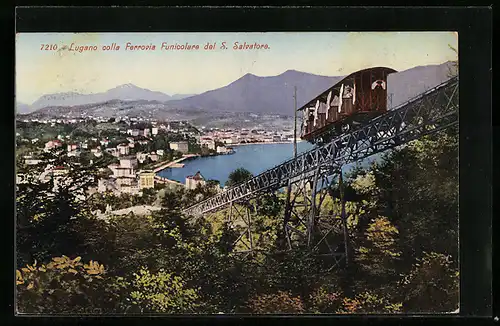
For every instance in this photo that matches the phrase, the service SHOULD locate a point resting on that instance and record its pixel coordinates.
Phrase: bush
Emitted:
(276, 303)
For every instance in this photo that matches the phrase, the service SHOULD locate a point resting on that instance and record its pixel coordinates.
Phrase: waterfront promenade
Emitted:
(173, 164)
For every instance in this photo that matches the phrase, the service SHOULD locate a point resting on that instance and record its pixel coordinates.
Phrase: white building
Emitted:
(145, 132)
(123, 149)
(141, 157)
(128, 162)
(181, 146)
(210, 143)
(30, 160)
(230, 140)
(193, 181)
(119, 171)
(153, 156)
(154, 131)
(74, 153)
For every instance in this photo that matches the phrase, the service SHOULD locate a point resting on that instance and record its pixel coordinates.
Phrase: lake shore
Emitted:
(256, 159)
(263, 143)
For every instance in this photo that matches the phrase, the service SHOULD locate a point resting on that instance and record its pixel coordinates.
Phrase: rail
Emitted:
(426, 113)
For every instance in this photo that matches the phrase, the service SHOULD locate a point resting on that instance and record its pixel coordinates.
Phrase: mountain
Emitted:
(274, 94)
(256, 94)
(126, 92)
(248, 94)
(180, 96)
(409, 83)
(22, 108)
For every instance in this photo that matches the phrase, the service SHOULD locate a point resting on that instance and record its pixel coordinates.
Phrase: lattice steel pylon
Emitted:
(308, 176)
(308, 220)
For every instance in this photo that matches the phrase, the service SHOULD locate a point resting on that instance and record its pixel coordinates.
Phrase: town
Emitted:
(134, 149)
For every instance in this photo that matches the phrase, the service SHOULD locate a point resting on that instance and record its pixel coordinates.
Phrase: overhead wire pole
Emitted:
(295, 122)
(344, 217)
(289, 188)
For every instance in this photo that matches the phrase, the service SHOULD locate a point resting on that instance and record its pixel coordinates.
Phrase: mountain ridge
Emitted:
(249, 93)
(127, 91)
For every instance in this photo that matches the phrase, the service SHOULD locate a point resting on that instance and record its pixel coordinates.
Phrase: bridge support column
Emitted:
(310, 221)
(239, 217)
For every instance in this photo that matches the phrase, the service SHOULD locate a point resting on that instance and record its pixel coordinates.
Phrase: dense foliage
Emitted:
(402, 219)
(237, 176)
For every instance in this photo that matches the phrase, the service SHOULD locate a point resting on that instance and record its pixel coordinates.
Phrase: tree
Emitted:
(323, 300)
(237, 176)
(418, 192)
(68, 286)
(378, 255)
(368, 303)
(162, 292)
(431, 285)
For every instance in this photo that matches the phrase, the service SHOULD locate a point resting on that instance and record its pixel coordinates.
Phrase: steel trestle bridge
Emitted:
(427, 113)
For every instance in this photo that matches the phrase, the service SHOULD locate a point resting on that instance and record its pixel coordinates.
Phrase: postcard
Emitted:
(237, 173)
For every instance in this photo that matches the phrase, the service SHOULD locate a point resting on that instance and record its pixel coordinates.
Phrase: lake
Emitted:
(256, 158)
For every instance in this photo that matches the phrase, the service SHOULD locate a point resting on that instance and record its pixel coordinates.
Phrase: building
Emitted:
(96, 151)
(128, 162)
(146, 179)
(30, 160)
(74, 153)
(181, 146)
(72, 147)
(123, 149)
(113, 151)
(145, 132)
(224, 150)
(52, 144)
(160, 152)
(193, 181)
(120, 171)
(104, 185)
(210, 143)
(141, 157)
(133, 132)
(229, 140)
(126, 168)
(21, 178)
(154, 131)
(132, 189)
(153, 156)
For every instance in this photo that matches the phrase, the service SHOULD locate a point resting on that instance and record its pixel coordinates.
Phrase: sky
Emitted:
(47, 71)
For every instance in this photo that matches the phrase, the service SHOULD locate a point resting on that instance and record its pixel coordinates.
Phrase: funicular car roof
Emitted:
(336, 88)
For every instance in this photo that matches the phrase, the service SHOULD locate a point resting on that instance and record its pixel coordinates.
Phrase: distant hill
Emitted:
(256, 94)
(22, 108)
(126, 92)
(409, 83)
(274, 94)
(180, 96)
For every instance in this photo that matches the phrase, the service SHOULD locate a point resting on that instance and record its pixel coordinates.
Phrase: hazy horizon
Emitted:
(332, 54)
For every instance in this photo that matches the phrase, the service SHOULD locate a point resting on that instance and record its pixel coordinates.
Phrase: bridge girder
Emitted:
(429, 112)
